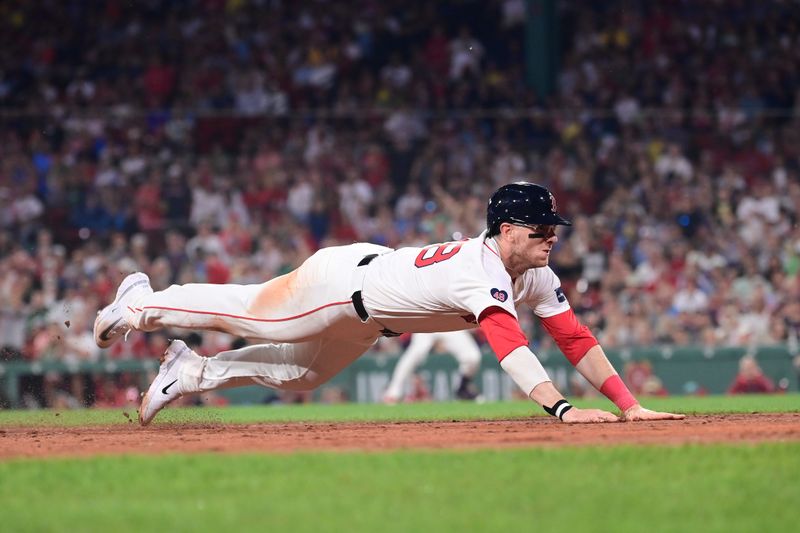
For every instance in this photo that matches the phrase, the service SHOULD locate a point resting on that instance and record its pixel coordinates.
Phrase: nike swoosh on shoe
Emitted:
(164, 390)
(105, 332)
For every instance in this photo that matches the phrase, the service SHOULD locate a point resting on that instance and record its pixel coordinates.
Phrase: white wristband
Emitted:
(525, 369)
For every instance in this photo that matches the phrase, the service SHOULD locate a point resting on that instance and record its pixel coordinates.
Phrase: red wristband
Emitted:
(615, 390)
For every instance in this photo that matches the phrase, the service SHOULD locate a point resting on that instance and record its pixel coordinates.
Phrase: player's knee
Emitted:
(308, 381)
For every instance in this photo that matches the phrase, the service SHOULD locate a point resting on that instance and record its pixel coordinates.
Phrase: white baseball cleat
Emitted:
(110, 323)
(165, 387)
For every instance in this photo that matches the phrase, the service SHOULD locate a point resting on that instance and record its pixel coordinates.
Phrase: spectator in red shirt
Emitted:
(750, 378)
(159, 81)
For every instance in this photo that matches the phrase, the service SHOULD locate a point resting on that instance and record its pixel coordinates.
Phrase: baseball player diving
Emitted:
(313, 322)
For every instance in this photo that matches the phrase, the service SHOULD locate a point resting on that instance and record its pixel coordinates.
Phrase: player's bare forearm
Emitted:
(595, 367)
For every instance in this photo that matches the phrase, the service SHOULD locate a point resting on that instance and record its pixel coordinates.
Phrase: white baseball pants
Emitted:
(307, 315)
(460, 344)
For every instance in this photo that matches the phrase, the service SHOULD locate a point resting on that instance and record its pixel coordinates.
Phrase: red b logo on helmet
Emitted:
(553, 203)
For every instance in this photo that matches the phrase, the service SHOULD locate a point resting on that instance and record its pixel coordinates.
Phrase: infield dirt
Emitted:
(83, 441)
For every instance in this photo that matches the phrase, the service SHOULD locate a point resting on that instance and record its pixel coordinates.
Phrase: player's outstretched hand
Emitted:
(637, 412)
(588, 416)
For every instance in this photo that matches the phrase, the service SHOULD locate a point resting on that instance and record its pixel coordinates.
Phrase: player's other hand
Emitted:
(588, 416)
(637, 412)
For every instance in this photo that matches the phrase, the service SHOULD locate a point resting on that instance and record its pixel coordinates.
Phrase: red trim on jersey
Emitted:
(573, 338)
(490, 249)
(615, 390)
(249, 317)
(502, 331)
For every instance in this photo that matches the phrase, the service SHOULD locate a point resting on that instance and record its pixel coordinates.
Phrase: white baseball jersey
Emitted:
(445, 287)
(310, 319)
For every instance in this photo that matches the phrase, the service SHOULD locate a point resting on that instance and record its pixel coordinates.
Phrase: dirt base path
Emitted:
(50, 441)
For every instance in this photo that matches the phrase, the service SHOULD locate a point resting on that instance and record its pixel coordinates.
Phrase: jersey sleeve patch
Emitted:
(499, 295)
(560, 296)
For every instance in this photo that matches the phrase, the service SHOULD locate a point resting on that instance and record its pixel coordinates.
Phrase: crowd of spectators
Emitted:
(224, 141)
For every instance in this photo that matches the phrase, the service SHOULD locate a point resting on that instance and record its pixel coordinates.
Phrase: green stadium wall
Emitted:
(681, 370)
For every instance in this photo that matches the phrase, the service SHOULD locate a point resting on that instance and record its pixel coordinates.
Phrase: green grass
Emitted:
(691, 488)
(417, 411)
(725, 488)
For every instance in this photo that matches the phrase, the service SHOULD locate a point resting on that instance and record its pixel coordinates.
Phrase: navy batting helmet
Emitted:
(522, 203)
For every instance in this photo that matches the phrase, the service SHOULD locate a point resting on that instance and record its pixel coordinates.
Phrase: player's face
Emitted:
(536, 243)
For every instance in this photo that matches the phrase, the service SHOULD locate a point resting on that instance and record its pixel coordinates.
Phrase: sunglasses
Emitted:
(540, 231)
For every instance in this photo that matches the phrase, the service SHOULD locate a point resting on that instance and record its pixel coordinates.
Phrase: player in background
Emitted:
(460, 344)
(316, 320)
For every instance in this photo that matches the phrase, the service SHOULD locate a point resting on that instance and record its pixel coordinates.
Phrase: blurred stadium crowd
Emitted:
(224, 141)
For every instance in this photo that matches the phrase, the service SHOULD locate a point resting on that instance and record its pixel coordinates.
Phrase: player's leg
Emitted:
(462, 345)
(208, 306)
(298, 366)
(195, 306)
(415, 354)
(312, 301)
